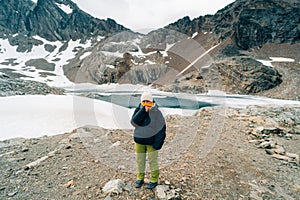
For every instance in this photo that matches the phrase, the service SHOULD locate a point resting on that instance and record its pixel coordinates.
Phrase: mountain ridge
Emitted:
(249, 23)
(51, 20)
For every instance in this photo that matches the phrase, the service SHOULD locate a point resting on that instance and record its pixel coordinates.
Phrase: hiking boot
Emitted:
(151, 185)
(139, 183)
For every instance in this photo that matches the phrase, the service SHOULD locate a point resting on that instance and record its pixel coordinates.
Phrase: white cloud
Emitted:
(141, 14)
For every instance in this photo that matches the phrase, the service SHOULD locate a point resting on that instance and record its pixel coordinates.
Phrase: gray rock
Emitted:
(281, 157)
(267, 144)
(114, 186)
(12, 194)
(279, 150)
(41, 64)
(108, 198)
(164, 192)
(12, 86)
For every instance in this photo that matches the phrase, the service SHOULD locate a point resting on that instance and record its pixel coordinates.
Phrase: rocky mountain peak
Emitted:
(249, 23)
(54, 20)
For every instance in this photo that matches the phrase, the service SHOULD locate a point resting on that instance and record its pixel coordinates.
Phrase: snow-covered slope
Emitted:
(16, 61)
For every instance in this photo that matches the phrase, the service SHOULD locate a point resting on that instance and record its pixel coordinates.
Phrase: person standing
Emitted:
(149, 136)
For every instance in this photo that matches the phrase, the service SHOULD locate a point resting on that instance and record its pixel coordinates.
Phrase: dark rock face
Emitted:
(13, 14)
(267, 21)
(186, 26)
(245, 75)
(250, 23)
(236, 75)
(48, 20)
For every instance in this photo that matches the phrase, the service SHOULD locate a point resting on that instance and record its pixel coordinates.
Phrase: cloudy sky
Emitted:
(145, 15)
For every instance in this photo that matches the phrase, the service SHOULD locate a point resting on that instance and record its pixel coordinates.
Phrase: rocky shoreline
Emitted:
(11, 86)
(250, 153)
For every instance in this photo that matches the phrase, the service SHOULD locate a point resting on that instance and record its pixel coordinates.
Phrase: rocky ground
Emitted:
(10, 86)
(220, 153)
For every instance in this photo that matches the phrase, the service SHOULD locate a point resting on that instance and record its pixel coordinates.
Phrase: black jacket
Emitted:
(150, 127)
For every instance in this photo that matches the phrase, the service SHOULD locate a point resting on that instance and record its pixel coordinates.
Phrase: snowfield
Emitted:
(36, 115)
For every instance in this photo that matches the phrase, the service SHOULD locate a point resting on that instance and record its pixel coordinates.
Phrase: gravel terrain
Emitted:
(220, 153)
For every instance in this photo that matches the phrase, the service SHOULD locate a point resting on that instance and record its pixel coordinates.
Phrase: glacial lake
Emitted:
(129, 100)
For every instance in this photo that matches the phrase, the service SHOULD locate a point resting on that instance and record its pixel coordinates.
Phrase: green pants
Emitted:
(141, 152)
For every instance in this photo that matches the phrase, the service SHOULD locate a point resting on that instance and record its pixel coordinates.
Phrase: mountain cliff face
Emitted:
(54, 20)
(249, 23)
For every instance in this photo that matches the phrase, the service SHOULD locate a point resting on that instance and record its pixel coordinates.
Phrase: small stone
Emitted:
(252, 141)
(161, 191)
(281, 157)
(128, 188)
(279, 150)
(260, 128)
(294, 156)
(116, 144)
(270, 151)
(108, 198)
(121, 167)
(267, 144)
(69, 184)
(20, 171)
(12, 194)
(114, 186)
(25, 150)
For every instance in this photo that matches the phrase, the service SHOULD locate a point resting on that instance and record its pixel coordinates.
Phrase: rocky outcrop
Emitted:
(244, 75)
(144, 74)
(41, 64)
(239, 75)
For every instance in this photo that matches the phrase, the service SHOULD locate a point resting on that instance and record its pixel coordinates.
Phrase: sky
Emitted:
(145, 15)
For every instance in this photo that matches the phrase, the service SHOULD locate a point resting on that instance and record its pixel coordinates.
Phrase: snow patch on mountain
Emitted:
(66, 8)
(16, 61)
(275, 59)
